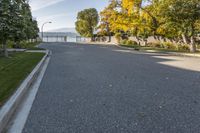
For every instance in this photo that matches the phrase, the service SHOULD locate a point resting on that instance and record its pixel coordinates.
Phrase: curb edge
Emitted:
(9, 108)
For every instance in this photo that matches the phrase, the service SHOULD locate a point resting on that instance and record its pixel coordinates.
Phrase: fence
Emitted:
(61, 37)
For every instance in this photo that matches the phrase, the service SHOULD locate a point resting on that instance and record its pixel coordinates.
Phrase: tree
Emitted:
(87, 21)
(18, 32)
(127, 17)
(16, 22)
(5, 23)
(182, 15)
(176, 20)
(106, 18)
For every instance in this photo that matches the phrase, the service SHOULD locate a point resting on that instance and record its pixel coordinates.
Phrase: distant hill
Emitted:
(72, 30)
(61, 32)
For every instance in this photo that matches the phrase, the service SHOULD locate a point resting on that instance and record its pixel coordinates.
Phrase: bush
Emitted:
(118, 37)
(155, 45)
(10, 44)
(198, 46)
(131, 43)
(23, 44)
(128, 42)
(168, 45)
(124, 42)
(27, 45)
(198, 42)
(184, 47)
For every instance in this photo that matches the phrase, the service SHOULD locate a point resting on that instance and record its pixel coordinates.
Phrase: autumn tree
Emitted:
(164, 19)
(107, 15)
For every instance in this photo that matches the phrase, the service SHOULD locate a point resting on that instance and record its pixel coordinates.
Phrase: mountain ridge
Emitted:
(72, 30)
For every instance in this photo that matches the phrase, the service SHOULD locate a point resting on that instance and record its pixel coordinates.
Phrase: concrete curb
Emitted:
(9, 108)
(97, 43)
(16, 50)
(125, 47)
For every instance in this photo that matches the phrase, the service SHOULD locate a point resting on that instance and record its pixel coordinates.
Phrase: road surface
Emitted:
(106, 89)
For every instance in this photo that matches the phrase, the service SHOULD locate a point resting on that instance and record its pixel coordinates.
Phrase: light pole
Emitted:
(43, 28)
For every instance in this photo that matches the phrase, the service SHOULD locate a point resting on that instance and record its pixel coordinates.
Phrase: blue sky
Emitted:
(62, 13)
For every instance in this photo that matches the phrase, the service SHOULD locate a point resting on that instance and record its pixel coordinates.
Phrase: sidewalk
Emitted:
(101, 43)
(15, 50)
(174, 53)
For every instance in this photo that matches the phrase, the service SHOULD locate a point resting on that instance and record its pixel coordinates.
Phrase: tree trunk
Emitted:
(109, 37)
(138, 40)
(185, 40)
(5, 48)
(144, 42)
(192, 45)
(92, 39)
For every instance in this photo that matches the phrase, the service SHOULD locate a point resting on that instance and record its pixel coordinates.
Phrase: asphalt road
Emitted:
(105, 89)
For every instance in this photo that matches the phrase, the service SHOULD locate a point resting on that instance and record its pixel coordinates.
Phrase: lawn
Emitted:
(13, 70)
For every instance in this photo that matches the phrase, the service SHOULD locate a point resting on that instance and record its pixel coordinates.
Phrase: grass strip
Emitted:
(14, 69)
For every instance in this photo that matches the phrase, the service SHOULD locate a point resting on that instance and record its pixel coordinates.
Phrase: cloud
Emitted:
(39, 4)
(44, 18)
(51, 17)
(58, 21)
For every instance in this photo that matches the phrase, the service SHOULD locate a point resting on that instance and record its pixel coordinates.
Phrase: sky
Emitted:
(62, 13)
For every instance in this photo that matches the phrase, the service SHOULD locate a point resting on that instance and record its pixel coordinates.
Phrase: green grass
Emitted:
(13, 70)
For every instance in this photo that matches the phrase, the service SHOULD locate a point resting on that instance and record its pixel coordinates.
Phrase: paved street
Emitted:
(106, 89)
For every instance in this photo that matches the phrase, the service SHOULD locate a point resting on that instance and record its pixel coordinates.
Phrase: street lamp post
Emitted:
(43, 28)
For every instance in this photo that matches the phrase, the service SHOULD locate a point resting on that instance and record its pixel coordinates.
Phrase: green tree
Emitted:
(16, 22)
(87, 21)
(183, 16)
(18, 32)
(5, 23)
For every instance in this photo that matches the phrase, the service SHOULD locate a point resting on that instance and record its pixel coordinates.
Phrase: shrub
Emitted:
(184, 47)
(10, 44)
(128, 42)
(137, 47)
(124, 42)
(168, 45)
(23, 44)
(198, 42)
(118, 37)
(131, 43)
(26, 45)
(155, 45)
(198, 46)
